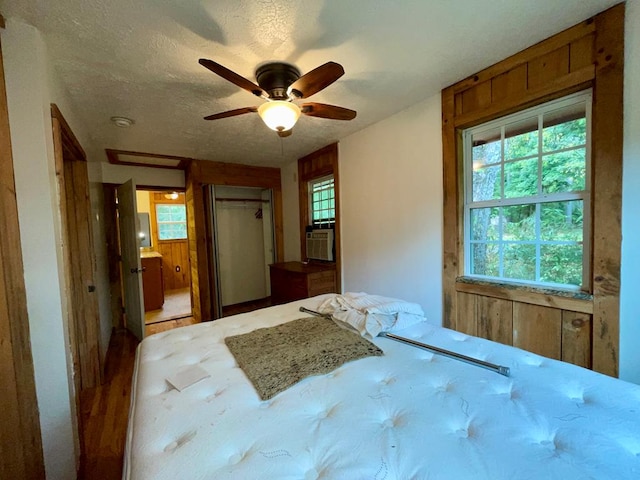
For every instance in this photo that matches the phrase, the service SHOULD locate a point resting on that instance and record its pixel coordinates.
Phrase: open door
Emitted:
(131, 264)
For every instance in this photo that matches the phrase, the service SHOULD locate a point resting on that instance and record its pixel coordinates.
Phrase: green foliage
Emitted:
(558, 222)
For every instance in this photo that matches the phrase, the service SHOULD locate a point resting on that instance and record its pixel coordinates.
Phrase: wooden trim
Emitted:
(588, 55)
(607, 133)
(112, 156)
(69, 140)
(75, 206)
(524, 296)
(21, 440)
(565, 37)
(571, 83)
(451, 207)
(318, 164)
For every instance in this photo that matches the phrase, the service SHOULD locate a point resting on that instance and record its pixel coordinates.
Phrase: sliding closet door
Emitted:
(242, 244)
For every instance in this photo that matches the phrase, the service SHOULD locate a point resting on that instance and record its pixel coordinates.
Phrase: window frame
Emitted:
(328, 222)
(583, 97)
(158, 222)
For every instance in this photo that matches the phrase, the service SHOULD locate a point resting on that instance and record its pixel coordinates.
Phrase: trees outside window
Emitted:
(527, 195)
(172, 221)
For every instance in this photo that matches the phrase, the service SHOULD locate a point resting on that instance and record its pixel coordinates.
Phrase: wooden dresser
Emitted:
(152, 282)
(296, 280)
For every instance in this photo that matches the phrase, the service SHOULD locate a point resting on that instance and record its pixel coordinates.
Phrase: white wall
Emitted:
(142, 176)
(630, 286)
(28, 97)
(391, 208)
(143, 201)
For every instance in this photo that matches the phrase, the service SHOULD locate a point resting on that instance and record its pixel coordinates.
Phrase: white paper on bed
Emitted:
(408, 414)
(372, 314)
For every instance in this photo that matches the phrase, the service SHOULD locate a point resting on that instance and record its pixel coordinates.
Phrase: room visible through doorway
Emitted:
(165, 255)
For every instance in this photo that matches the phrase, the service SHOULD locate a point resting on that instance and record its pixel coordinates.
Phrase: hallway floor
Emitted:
(177, 304)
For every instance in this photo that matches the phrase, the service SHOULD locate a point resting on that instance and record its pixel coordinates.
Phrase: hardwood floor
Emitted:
(245, 307)
(168, 325)
(105, 409)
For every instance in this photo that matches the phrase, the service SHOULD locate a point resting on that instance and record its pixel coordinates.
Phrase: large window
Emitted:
(527, 195)
(171, 221)
(322, 202)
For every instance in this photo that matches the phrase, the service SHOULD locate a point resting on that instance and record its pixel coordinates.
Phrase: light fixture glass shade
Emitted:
(279, 115)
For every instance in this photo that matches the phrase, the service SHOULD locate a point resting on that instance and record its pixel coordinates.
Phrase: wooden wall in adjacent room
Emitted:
(175, 253)
(583, 329)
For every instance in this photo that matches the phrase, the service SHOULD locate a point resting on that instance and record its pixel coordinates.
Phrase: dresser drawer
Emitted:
(322, 282)
(295, 280)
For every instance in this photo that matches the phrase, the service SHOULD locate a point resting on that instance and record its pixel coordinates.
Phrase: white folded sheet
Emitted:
(372, 314)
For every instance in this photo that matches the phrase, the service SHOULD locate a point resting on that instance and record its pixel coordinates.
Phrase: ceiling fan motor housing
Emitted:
(275, 79)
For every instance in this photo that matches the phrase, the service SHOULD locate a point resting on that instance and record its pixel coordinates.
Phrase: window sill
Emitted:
(547, 297)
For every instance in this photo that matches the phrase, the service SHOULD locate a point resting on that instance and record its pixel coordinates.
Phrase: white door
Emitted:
(130, 253)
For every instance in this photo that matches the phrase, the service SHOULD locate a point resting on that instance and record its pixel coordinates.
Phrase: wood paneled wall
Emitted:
(199, 174)
(175, 253)
(552, 332)
(318, 164)
(582, 331)
(21, 441)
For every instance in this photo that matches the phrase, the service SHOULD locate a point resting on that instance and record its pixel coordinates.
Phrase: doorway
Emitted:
(164, 252)
(242, 247)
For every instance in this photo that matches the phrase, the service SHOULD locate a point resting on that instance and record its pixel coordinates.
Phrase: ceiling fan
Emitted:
(281, 85)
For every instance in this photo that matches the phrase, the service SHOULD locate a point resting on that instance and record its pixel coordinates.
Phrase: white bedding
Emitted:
(409, 414)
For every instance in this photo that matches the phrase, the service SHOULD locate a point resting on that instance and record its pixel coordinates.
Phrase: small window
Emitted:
(322, 202)
(172, 221)
(527, 195)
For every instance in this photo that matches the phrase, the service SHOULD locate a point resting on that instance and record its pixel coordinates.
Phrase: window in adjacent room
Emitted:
(322, 202)
(172, 221)
(527, 200)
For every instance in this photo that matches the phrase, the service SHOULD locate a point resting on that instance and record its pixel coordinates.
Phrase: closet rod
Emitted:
(241, 200)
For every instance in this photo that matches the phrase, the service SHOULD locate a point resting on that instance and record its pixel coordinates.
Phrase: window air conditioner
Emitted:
(320, 244)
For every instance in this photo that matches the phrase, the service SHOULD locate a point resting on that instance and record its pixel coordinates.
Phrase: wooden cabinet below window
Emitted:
(295, 280)
(152, 286)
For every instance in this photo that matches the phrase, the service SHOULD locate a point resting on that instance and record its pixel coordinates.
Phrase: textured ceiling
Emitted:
(139, 59)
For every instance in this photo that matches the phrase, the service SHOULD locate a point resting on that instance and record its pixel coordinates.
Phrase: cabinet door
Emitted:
(152, 283)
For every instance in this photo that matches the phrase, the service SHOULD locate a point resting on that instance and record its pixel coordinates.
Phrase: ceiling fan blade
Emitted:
(233, 77)
(315, 80)
(231, 113)
(328, 111)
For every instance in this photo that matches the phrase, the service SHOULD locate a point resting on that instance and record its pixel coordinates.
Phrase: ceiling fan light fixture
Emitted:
(279, 115)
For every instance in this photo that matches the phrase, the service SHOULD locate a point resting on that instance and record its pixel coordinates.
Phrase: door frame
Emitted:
(22, 450)
(113, 249)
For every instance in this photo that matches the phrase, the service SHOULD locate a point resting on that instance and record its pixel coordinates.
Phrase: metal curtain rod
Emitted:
(502, 370)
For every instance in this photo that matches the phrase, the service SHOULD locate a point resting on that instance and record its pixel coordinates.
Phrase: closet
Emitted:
(241, 245)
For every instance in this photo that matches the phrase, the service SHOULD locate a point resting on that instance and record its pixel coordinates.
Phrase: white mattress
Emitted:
(407, 415)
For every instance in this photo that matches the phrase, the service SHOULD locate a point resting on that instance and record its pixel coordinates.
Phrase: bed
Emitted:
(408, 414)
